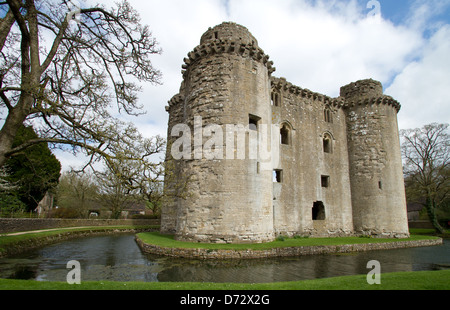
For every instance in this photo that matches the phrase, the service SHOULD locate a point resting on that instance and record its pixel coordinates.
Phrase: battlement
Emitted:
(282, 84)
(386, 100)
(228, 38)
(367, 92)
(229, 31)
(228, 47)
(362, 89)
(175, 100)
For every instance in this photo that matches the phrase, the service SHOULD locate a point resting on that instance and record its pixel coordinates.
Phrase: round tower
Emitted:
(376, 171)
(225, 96)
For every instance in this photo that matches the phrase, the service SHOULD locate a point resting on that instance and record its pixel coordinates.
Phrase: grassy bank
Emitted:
(423, 280)
(168, 241)
(10, 243)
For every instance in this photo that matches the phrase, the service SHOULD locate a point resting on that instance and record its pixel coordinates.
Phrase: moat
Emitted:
(118, 258)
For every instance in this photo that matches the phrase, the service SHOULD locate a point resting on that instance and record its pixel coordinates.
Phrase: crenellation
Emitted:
(227, 47)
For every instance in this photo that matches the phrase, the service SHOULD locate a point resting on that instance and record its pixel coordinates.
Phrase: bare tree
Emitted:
(77, 194)
(137, 173)
(426, 152)
(68, 77)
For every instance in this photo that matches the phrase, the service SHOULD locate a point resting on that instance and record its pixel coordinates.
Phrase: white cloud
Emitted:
(423, 86)
(326, 46)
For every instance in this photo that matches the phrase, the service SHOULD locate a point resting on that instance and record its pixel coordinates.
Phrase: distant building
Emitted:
(46, 204)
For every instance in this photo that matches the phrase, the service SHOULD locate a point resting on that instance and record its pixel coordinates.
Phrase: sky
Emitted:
(320, 45)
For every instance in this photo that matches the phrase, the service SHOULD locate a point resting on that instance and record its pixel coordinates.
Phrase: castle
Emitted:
(334, 168)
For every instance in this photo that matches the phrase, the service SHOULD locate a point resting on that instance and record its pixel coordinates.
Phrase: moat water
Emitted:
(118, 258)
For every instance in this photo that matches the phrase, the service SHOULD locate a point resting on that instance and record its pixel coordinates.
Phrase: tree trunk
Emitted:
(431, 210)
(13, 122)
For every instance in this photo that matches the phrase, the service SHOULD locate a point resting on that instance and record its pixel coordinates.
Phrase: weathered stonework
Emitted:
(199, 253)
(336, 161)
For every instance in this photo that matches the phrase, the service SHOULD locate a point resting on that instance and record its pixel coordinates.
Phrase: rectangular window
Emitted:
(278, 176)
(325, 180)
(253, 121)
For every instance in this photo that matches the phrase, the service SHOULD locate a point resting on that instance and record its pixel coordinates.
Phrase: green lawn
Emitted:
(423, 280)
(33, 237)
(157, 239)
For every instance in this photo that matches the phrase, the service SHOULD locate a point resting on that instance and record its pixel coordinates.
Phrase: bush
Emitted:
(145, 217)
(64, 213)
(10, 205)
(281, 238)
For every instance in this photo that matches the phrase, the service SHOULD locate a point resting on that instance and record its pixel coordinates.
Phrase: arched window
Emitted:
(327, 144)
(318, 211)
(284, 135)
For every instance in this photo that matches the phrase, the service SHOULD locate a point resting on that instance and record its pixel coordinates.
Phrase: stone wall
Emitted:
(21, 225)
(304, 161)
(197, 253)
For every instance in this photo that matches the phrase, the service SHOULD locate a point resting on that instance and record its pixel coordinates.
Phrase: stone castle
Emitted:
(337, 169)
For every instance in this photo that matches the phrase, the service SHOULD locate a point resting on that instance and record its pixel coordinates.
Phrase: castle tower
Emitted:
(377, 184)
(226, 87)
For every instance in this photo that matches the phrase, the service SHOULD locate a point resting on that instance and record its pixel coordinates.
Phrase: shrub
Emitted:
(145, 217)
(281, 238)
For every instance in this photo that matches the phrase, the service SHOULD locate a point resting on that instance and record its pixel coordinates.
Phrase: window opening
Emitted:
(278, 176)
(284, 135)
(325, 180)
(318, 211)
(327, 144)
(275, 98)
(253, 122)
(327, 116)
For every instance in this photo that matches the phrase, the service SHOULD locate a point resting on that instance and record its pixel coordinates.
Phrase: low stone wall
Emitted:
(420, 224)
(20, 225)
(280, 252)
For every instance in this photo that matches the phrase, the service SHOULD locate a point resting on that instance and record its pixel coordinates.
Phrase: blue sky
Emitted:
(316, 44)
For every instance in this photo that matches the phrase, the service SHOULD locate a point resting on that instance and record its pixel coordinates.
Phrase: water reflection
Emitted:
(118, 258)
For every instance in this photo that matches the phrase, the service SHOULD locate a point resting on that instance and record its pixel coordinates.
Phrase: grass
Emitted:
(7, 241)
(419, 280)
(157, 239)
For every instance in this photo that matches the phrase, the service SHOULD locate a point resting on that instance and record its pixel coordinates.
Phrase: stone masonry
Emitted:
(334, 166)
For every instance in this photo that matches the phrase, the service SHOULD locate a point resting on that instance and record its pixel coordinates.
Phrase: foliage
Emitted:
(136, 175)
(426, 152)
(34, 171)
(76, 195)
(10, 205)
(145, 217)
(69, 78)
(9, 202)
